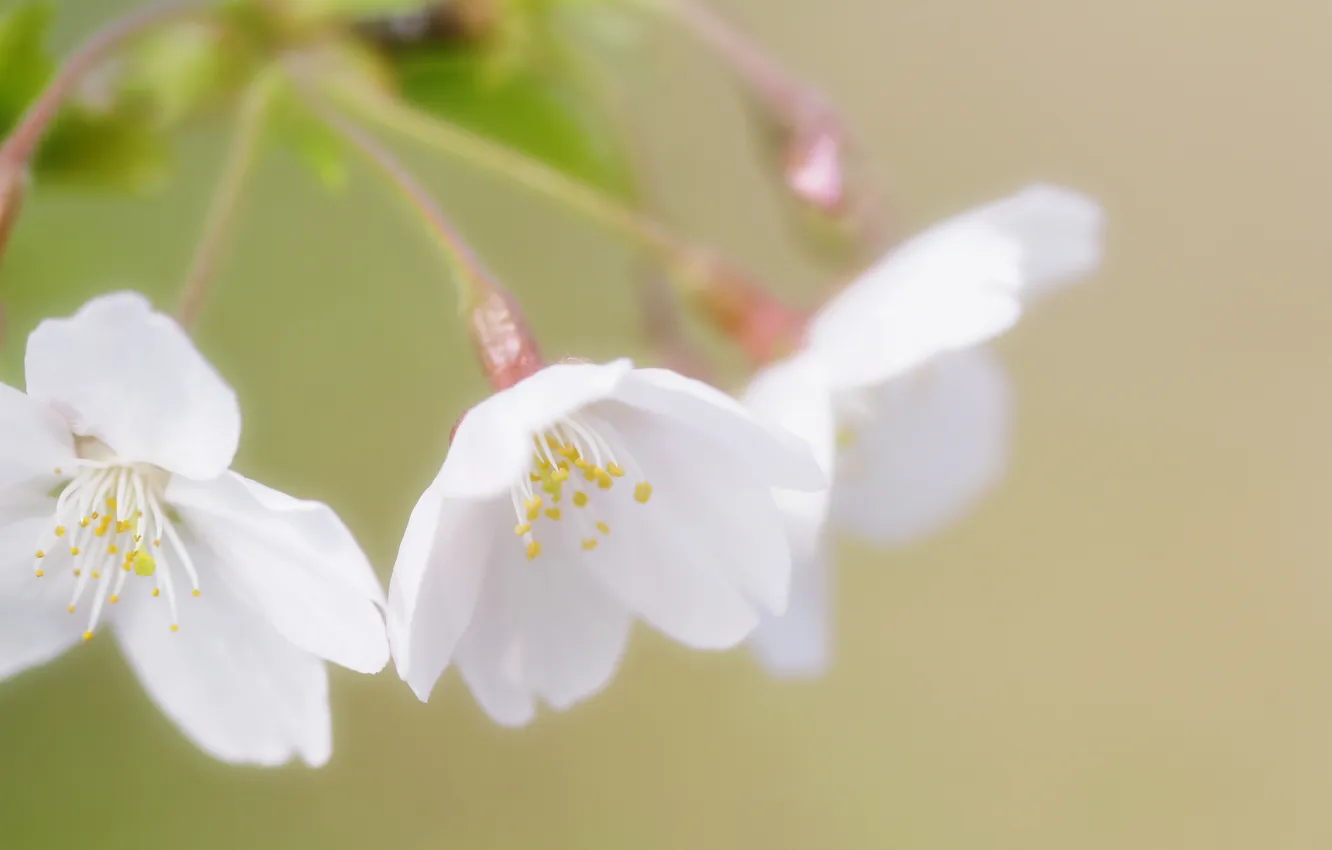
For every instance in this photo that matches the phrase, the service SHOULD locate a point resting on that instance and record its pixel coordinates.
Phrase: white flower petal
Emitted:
(573, 631)
(931, 444)
(36, 439)
(768, 452)
(131, 378)
(674, 560)
(1060, 232)
(492, 445)
(293, 559)
(34, 626)
(437, 581)
(796, 644)
(794, 394)
(490, 655)
(234, 686)
(956, 285)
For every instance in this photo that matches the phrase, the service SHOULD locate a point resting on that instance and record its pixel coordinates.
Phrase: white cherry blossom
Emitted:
(894, 391)
(118, 513)
(574, 502)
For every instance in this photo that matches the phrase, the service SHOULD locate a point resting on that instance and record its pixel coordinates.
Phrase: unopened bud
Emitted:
(506, 348)
(760, 324)
(814, 166)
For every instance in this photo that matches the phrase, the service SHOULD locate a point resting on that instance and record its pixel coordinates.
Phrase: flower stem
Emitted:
(506, 348)
(457, 142)
(221, 215)
(19, 146)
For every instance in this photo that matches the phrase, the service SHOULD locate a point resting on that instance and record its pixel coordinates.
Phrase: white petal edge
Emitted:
(34, 626)
(294, 560)
(37, 440)
(132, 378)
(797, 645)
(492, 445)
(236, 688)
(931, 445)
(769, 452)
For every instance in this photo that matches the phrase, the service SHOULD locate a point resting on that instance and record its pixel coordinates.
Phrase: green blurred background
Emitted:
(1129, 645)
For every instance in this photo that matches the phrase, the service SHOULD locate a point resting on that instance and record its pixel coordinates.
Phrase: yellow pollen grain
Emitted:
(156, 592)
(87, 635)
(522, 528)
(589, 544)
(60, 531)
(175, 628)
(642, 492)
(603, 527)
(580, 499)
(533, 549)
(614, 469)
(553, 513)
(195, 593)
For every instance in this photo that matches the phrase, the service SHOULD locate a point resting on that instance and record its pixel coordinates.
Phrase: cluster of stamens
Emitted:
(110, 520)
(573, 454)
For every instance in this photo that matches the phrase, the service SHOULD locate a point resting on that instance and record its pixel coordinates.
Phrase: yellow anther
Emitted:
(551, 487)
(122, 526)
(40, 574)
(580, 498)
(589, 544)
(157, 542)
(74, 550)
(522, 528)
(127, 564)
(590, 473)
(195, 593)
(83, 523)
(113, 599)
(604, 481)
(156, 592)
(580, 463)
(555, 497)
(99, 531)
(112, 549)
(603, 527)
(70, 609)
(111, 503)
(57, 471)
(533, 549)
(144, 565)
(95, 515)
(138, 514)
(533, 513)
(614, 469)
(78, 573)
(60, 531)
(642, 492)
(534, 502)
(535, 478)
(554, 444)
(41, 554)
(175, 628)
(96, 574)
(559, 475)
(553, 513)
(138, 537)
(568, 452)
(87, 635)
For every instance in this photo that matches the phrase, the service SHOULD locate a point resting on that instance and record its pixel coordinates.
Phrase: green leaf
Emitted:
(307, 10)
(308, 139)
(25, 64)
(170, 75)
(545, 115)
(102, 150)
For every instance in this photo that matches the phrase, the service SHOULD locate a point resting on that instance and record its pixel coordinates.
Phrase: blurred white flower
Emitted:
(117, 508)
(891, 370)
(573, 501)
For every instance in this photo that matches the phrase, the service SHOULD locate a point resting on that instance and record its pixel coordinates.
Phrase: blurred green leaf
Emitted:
(326, 9)
(170, 75)
(25, 64)
(102, 150)
(307, 138)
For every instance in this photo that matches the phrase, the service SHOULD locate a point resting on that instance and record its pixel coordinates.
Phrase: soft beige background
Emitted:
(1128, 646)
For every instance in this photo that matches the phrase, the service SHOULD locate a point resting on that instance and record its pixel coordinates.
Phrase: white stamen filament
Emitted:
(110, 521)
